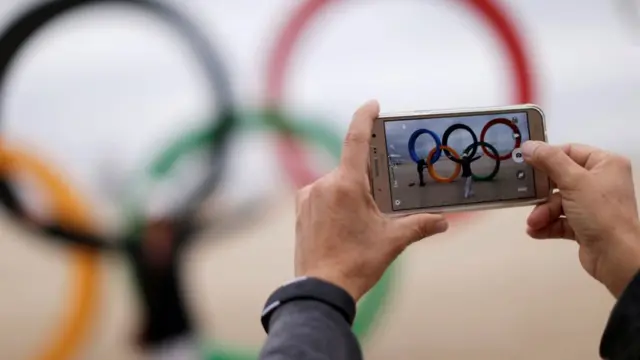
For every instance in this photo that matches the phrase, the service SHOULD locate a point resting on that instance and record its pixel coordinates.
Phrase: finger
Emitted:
(544, 214)
(302, 196)
(584, 155)
(559, 229)
(414, 228)
(355, 152)
(554, 161)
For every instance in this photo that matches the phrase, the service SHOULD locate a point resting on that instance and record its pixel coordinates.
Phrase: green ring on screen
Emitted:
(496, 169)
(313, 132)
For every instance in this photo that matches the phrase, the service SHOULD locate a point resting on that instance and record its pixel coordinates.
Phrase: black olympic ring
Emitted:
(447, 133)
(16, 36)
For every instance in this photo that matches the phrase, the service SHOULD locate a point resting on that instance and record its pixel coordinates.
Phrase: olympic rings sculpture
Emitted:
(310, 131)
(490, 11)
(20, 31)
(441, 145)
(290, 153)
(630, 11)
(72, 212)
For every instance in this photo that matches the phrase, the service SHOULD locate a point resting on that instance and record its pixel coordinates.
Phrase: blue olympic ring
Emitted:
(412, 145)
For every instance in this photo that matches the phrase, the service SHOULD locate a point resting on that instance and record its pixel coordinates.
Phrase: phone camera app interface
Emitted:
(458, 160)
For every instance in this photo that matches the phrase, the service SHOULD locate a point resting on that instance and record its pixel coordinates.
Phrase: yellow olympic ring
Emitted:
(72, 212)
(432, 171)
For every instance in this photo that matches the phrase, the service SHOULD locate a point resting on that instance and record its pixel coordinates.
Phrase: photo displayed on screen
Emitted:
(458, 160)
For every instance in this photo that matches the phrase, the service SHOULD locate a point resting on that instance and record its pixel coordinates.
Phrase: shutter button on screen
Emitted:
(516, 155)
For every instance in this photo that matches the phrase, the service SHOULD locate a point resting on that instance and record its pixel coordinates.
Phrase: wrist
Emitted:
(308, 288)
(337, 280)
(620, 260)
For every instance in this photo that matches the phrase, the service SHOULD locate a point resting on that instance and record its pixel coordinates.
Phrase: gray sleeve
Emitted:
(309, 330)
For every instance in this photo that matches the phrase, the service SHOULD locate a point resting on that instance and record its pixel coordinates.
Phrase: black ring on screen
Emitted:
(496, 168)
(445, 139)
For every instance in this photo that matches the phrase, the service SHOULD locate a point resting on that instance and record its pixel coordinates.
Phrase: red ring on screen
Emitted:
(493, 14)
(511, 125)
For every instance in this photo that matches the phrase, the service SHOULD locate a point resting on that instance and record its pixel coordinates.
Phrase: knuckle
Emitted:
(315, 190)
(303, 194)
(420, 230)
(342, 189)
(623, 162)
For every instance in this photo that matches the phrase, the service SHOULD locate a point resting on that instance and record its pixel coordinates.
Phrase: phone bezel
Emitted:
(379, 169)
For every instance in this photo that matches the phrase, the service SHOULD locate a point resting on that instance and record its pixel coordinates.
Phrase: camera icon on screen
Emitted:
(516, 155)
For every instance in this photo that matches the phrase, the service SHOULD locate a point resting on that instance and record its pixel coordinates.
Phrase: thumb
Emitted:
(554, 162)
(412, 228)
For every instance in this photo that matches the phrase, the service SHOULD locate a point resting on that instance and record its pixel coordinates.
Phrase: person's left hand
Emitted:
(341, 235)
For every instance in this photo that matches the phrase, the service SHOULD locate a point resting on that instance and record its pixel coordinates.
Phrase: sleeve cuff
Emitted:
(621, 338)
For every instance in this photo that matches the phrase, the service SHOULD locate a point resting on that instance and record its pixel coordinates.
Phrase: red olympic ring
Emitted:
(502, 121)
(290, 151)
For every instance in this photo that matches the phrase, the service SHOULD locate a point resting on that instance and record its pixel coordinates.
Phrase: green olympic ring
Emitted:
(313, 132)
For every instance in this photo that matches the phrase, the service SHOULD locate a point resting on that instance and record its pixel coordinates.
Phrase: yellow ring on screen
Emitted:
(432, 171)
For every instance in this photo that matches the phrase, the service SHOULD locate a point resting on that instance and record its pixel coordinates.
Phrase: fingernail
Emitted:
(529, 147)
(441, 226)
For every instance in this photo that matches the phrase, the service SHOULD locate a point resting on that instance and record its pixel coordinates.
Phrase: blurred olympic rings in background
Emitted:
(223, 123)
(291, 35)
(17, 35)
(630, 12)
(72, 212)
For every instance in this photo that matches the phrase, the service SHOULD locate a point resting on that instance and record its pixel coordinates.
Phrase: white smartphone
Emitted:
(456, 160)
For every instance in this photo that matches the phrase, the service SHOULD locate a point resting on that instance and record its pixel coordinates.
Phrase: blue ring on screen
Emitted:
(412, 145)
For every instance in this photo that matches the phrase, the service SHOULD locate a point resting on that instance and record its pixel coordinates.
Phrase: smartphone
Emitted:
(456, 160)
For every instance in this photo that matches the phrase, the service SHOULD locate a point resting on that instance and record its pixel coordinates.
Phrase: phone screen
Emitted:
(458, 160)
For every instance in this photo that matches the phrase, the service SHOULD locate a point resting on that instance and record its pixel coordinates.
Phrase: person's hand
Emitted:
(595, 205)
(341, 236)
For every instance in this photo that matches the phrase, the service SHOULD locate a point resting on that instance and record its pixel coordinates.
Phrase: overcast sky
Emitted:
(102, 89)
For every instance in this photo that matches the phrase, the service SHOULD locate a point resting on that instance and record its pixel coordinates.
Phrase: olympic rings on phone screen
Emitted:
(445, 140)
(412, 145)
(469, 152)
(496, 168)
(291, 35)
(308, 131)
(17, 35)
(516, 135)
(432, 171)
(70, 210)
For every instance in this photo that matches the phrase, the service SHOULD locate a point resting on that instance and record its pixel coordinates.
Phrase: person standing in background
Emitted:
(422, 164)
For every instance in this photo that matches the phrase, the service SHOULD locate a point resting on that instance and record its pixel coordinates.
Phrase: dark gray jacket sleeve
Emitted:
(309, 330)
(621, 338)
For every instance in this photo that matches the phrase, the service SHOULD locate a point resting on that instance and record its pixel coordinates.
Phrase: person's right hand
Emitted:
(595, 205)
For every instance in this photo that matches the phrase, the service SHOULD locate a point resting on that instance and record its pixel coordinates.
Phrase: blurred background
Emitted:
(103, 91)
